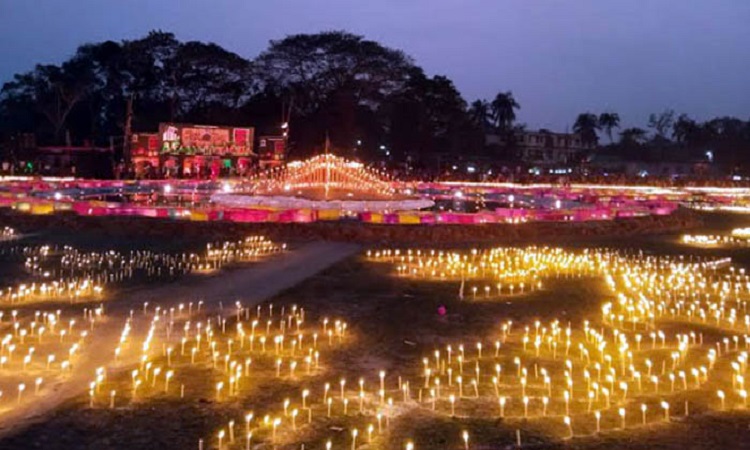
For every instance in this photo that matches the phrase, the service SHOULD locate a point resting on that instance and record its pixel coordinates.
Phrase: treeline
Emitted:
(725, 140)
(370, 100)
(366, 97)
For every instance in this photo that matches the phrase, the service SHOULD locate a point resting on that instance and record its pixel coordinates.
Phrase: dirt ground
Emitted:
(184, 231)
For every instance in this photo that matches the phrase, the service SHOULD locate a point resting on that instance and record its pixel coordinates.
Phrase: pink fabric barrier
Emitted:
(81, 208)
(247, 215)
(390, 218)
(448, 218)
(290, 216)
(500, 215)
(509, 213)
(428, 219)
(596, 203)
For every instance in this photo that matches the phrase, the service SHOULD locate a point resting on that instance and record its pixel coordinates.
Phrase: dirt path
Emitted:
(251, 285)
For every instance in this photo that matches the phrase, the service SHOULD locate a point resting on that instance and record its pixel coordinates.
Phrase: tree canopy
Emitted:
(334, 83)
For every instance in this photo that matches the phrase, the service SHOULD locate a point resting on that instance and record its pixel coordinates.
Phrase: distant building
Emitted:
(544, 148)
(188, 150)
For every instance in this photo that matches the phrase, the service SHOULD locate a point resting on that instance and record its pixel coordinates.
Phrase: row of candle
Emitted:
(737, 237)
(68, 273)
(712, 240)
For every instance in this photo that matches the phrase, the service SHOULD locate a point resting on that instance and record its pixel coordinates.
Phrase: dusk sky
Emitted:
(559, 58)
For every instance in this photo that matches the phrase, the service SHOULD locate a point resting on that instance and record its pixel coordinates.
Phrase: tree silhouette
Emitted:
(661, 123)
(586, 125)
(504, 108)
(609, 121)
(481, 114)
(633, 135)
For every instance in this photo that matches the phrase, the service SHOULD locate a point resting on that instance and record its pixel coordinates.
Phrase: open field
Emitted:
(393, 322)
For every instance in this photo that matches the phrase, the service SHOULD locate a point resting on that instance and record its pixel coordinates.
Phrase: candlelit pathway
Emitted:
(250, 284)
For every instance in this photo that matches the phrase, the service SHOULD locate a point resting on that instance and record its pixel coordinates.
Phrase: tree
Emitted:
(504, 108)
(100, 113)
(312, 67)
(686, 131)
(149, 75)
(429, 116)
(586, 125)
(608, 121)
(209, 83)
(480, 114)
(633, 136)
(50, 90)
(726, 137)
(332, 77)
(661, 123)
(633, 143)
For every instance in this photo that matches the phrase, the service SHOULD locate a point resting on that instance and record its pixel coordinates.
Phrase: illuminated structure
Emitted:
(324, 174)
(322, 182)
(194, 150)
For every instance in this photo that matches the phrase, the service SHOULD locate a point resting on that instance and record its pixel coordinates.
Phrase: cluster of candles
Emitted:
(38, 348)
(621, 369)
(624, 365)
(711, 240)
(68, 273)
(248, 249)
(7, 233)
(503, 271)
(53, 276)
(241, 346)
(623, 372)
(738, 237)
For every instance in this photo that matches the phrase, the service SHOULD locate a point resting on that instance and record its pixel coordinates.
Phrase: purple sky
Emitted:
(558, 57)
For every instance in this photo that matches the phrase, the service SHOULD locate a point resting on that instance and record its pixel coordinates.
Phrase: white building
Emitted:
(545, 148)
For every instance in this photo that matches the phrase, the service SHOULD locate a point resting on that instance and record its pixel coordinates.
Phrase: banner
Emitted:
(185, 139)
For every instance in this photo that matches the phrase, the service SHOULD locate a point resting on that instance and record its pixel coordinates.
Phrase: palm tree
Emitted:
(503, 110)
(608, 121)
(480, 114)
(586, 126)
